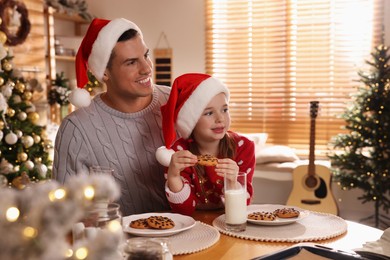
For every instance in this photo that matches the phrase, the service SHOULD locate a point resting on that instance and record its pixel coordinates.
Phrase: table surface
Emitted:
(236, 248)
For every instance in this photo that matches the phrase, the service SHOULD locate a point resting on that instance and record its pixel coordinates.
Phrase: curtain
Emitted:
(276, 56)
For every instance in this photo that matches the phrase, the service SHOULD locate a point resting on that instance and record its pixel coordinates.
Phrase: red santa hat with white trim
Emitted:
(94, 53)
(189, 97)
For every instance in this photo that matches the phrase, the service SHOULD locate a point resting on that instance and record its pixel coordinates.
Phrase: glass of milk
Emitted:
(235, 202)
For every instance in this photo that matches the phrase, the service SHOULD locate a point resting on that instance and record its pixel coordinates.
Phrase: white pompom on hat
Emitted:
(94, 53)
(189, 97)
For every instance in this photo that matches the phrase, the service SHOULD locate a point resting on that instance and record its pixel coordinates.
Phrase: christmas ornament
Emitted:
(7, 66)
(36, 138)
(17, 99)
(10, 112)
(11, 138)
(1, 125)
(27, 141)
(3, 52)
(41, 169)
(21, 181)
(22, 157)
(29, 165)
(18, 133)
(33, 117)
(1, 136)
(3, 103)
(27, 95)
(1, 81)
(20, 87)
(5, 166)
(22, 116)
(6, 90)
(3, 37)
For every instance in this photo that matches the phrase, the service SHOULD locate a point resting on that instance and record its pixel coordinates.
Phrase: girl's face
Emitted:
(215, 120)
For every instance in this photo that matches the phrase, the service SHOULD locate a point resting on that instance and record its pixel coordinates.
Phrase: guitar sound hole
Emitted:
(311, 181)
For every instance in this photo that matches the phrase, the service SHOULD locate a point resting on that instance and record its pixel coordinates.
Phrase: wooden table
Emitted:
(235, 248)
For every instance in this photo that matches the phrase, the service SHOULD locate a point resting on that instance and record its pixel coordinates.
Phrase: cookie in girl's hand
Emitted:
(207, 160)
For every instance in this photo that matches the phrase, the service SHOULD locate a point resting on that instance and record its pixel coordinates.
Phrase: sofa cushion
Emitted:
(276, 153)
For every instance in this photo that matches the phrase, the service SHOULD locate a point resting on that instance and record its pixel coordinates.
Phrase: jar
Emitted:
(103, 215)
(141, 248)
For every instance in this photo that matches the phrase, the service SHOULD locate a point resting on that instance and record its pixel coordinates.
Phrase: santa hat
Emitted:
(94, 53)
(189, 97)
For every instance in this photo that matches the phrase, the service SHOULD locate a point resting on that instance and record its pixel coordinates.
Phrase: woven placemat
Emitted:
(314, 227)
(198, 238)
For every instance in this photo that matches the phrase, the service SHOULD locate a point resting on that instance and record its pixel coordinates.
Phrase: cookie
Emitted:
(286, 213)
(207, 160)
(160, 222)
(139, 223)
(263, 215)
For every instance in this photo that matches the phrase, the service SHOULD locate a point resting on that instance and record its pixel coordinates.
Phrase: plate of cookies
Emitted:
(157, 224)
(275, 215)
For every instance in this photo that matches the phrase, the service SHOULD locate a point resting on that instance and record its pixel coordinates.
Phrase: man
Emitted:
(120, 128)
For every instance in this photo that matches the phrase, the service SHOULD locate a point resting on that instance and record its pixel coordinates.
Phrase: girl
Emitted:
(198, 110)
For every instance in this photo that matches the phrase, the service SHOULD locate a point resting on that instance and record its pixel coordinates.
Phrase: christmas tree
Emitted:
(362, 157)
(24, 146)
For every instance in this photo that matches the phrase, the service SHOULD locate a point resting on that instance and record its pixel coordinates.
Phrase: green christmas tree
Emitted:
(24, 155)
(363, 157)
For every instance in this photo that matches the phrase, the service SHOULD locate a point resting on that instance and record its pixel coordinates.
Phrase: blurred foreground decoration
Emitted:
(36, 222)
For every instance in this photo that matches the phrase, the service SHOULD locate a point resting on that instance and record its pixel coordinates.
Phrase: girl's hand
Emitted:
(227, 167)
(181, 160)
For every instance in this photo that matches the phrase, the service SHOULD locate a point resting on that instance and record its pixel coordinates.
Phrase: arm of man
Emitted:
(70, 152)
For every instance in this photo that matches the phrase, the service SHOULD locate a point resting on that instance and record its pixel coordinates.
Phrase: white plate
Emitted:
(277, 221)
(182, 223)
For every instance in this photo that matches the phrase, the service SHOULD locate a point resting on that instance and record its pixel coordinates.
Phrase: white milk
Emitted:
(235, 206)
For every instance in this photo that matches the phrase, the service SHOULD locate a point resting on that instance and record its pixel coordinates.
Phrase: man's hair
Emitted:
(127, 35)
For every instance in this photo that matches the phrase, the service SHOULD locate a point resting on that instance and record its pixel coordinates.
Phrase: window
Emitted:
(278, 55)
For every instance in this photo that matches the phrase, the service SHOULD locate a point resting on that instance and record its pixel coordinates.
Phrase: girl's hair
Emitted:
(227, 149)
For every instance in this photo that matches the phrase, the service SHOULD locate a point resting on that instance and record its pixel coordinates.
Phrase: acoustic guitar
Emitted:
(311, 183)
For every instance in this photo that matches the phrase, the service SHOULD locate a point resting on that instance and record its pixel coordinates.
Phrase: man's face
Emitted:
(130, 73)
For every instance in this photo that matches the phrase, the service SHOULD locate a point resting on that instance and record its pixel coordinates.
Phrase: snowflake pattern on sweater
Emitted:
(205, 192)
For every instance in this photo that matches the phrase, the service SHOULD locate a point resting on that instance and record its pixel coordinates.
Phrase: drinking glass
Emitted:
(235, 202)
(103, 215)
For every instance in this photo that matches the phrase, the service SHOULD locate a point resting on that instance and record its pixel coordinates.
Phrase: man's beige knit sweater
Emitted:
(100, 135)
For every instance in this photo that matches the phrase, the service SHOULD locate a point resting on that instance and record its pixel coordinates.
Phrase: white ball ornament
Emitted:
(18, 133)
(37, 138)
(29, 165)
(22, 116)
(1, 136)
(27, 141)
(6, 91)
(11, 138)
(79, 97)
(17, 99)
(41, 169)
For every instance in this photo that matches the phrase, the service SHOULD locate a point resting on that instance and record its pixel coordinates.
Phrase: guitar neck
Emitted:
(311, 150)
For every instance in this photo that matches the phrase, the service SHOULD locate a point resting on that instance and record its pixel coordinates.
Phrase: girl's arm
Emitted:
(179, 161)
